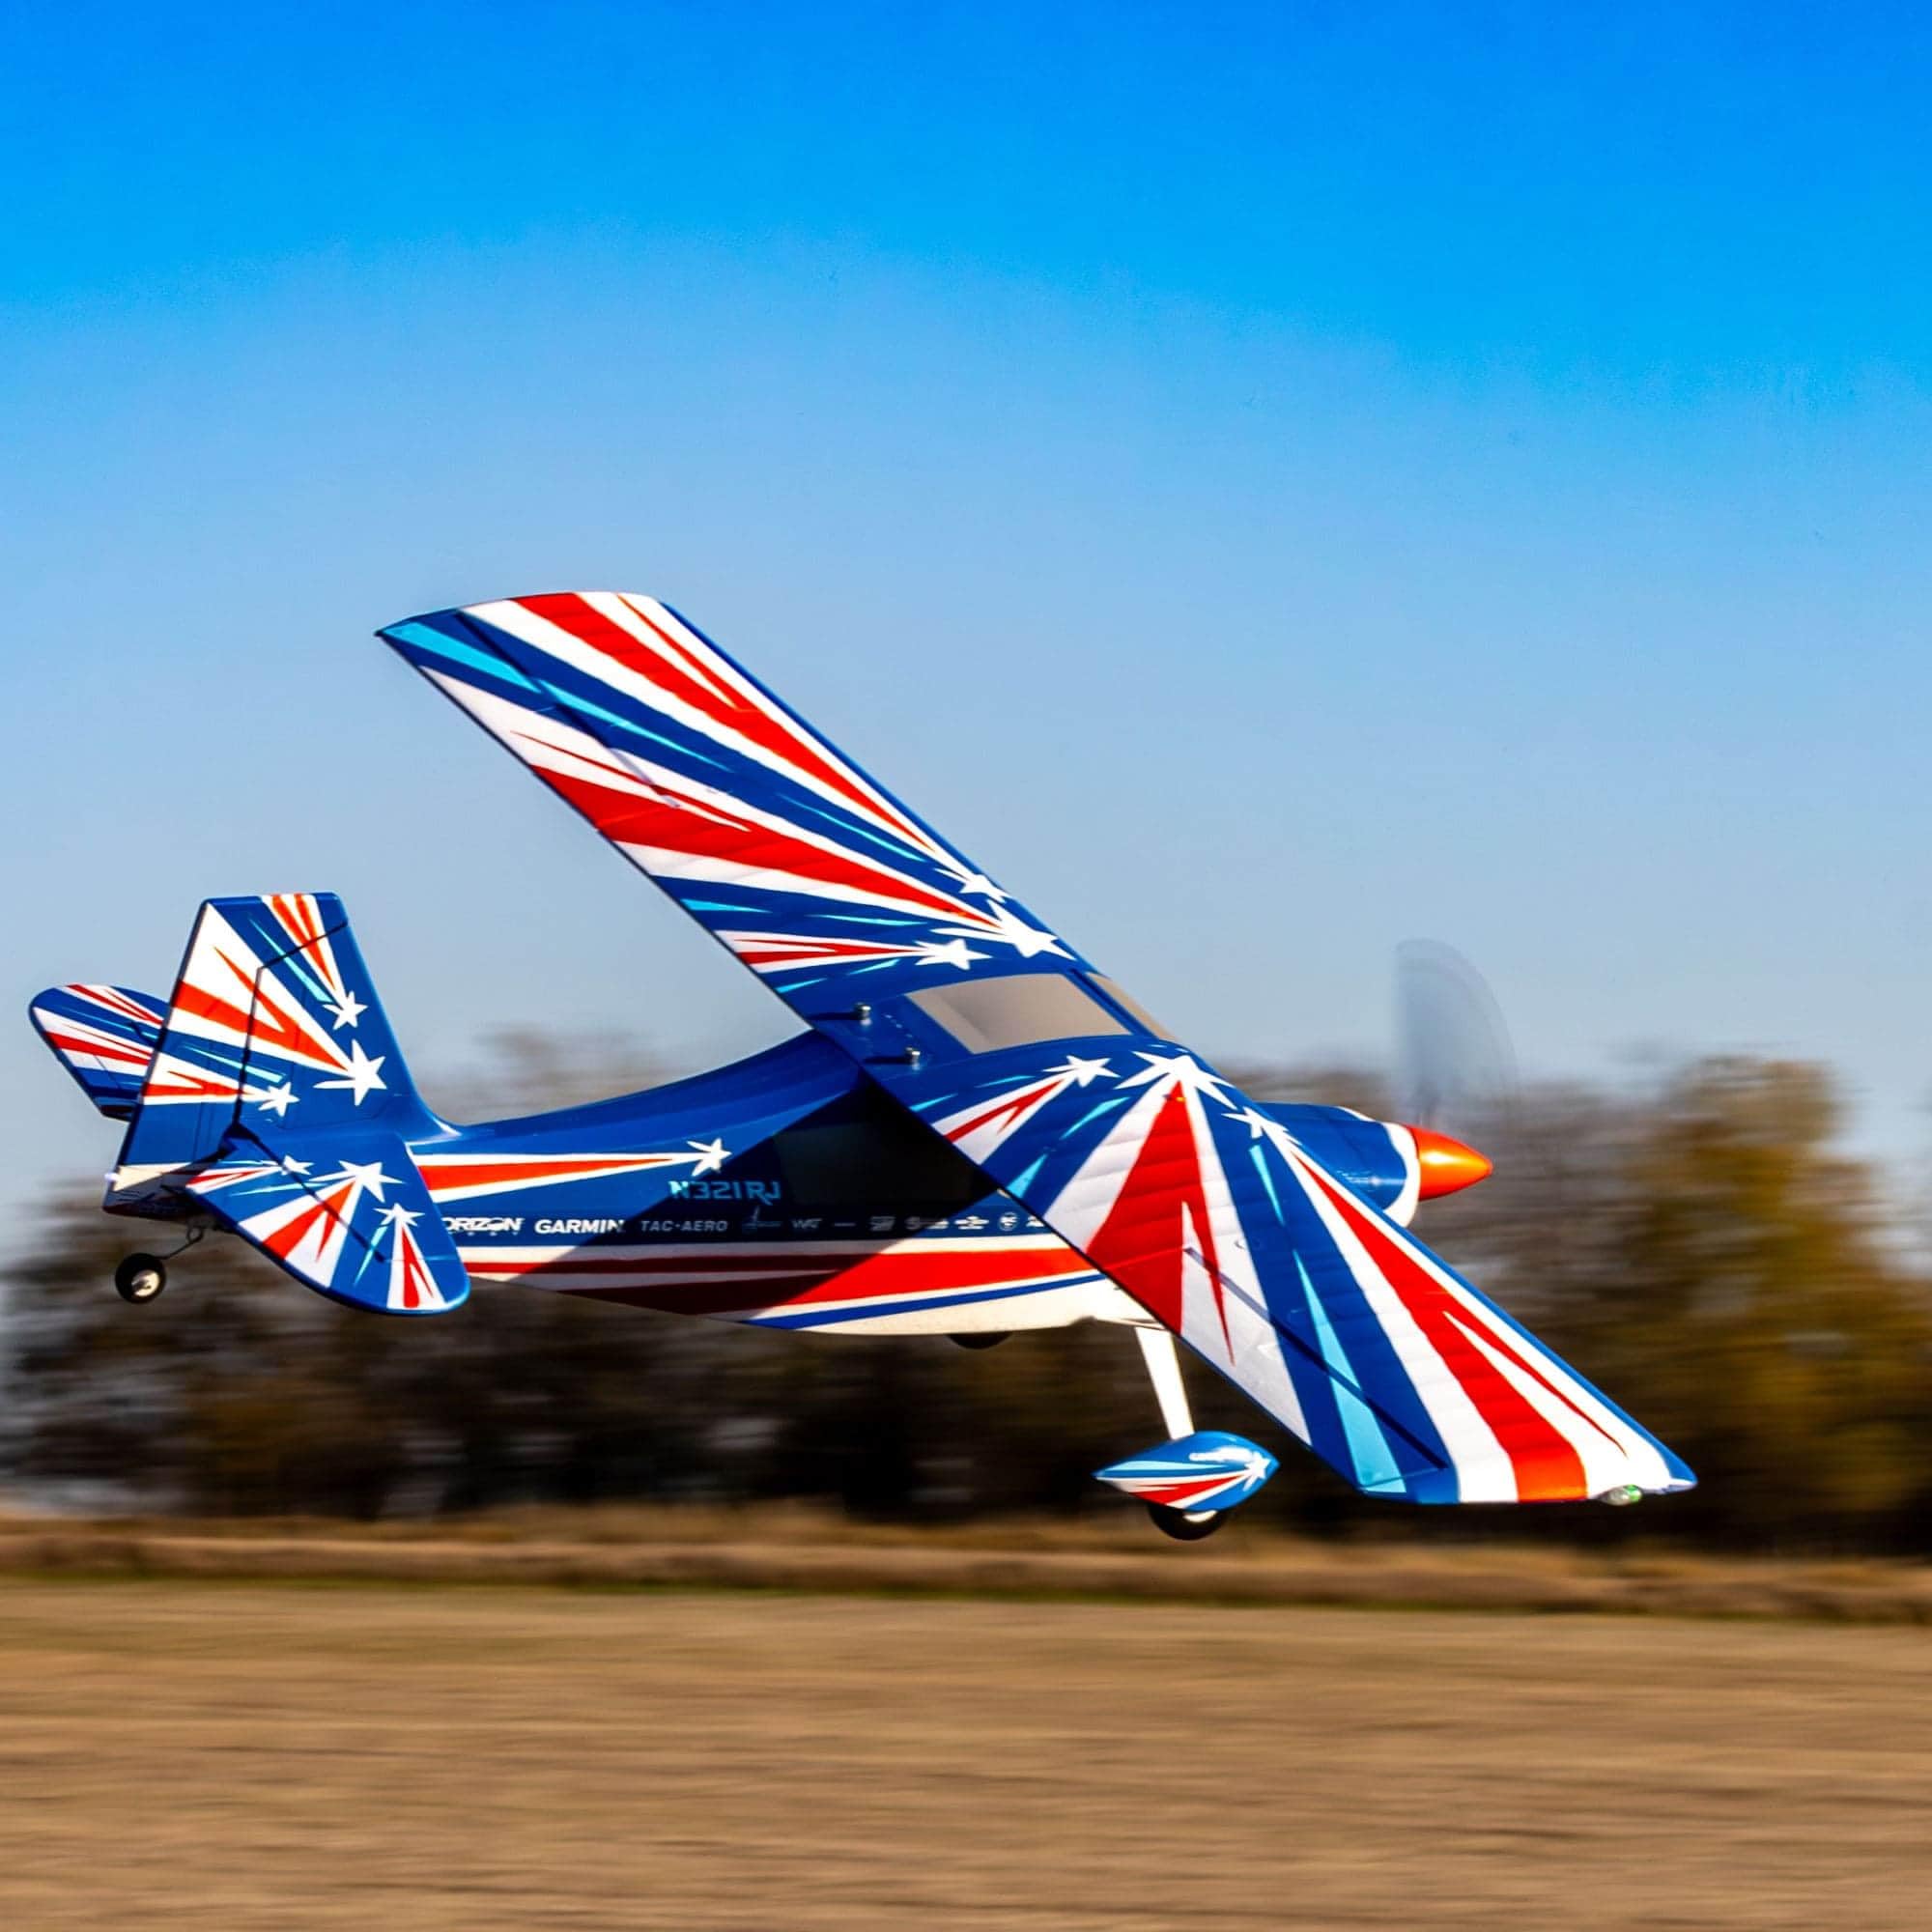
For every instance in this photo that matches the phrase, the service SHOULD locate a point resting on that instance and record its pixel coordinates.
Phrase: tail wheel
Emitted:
(1185, 1525)
(981, 1339)
(140, 1277)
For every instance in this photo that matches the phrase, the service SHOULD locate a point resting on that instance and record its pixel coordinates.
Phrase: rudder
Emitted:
(273, 1021)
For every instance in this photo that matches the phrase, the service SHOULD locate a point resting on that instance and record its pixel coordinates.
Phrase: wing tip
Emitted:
(481, 607)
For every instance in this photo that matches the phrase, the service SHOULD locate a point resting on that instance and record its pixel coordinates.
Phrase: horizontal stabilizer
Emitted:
(105, 1036)
(345, 1213)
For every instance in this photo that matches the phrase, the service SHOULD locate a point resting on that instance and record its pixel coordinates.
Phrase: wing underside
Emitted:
(1350, 1332)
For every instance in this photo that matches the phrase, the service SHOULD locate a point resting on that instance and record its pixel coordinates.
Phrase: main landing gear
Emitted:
(1185, 1525)
(140, 1277)
(1171, 1392)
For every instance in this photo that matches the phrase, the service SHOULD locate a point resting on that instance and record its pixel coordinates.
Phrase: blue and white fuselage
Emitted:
(783, 1190)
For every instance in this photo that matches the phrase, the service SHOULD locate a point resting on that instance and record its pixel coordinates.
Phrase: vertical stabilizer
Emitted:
(273, 1022)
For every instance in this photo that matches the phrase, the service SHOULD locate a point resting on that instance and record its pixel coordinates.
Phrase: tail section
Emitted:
(105, 1036)
(273, 1020)
(276, 1102)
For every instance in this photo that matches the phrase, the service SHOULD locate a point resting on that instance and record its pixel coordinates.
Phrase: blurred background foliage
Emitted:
(1694, 1243)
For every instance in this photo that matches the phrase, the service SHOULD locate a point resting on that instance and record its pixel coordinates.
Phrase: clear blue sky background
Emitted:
(1267, 481)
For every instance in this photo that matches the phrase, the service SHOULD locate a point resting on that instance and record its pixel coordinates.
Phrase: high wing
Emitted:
(992, 1030)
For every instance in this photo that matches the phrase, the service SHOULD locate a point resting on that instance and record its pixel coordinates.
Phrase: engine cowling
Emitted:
(1386, 1162)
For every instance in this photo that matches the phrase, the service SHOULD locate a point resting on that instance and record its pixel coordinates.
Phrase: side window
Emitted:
(869, 1155)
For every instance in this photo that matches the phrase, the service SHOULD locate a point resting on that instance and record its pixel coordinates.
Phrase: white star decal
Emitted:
(954, 952)
(397, 1216)
(364, 1073)
(1083, 1072)
(366, 1174)
(978, 885)
(1180, 1069)
(1026, 940)
(1250, 1465)
(291, 1165)
(711, 1157)
(1258, 1123)
(277, 1100)
(348, 1011)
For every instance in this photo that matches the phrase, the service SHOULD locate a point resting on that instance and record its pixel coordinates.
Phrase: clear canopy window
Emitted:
(1020, 1009)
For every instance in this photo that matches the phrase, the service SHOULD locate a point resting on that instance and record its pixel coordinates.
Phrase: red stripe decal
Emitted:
(440, 1177)
(670, 671)
(794, 1280)
(1546, 1464)
(104, 1048)
(1144, 1242)
(705, 829)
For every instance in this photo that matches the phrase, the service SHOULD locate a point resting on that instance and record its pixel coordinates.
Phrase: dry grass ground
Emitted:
(1114, 1555)
(246, 1755)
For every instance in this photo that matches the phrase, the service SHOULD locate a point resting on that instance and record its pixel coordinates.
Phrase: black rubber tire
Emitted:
(1182, 1527)
(139, 1278)
(982, 1340)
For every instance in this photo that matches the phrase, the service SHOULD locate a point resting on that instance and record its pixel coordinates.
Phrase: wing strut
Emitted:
(1163, 1367)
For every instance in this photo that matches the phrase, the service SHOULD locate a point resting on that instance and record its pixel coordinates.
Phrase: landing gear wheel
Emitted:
(982, 1338)
(1182, 1527)
(140, 1277)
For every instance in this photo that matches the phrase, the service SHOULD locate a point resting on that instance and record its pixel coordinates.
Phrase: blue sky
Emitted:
(1268, 482)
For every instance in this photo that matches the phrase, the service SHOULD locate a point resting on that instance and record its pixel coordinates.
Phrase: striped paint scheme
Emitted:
(360, 1231)
(1162, 1174)
(105, 1036)
(1338, 1321)
(787, 852)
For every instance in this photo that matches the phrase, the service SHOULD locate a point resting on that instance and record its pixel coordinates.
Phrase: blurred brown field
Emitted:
(1113, 1555)
(204, 1752)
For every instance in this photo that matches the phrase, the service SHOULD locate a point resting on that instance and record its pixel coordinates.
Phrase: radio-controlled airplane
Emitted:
(978, 1133)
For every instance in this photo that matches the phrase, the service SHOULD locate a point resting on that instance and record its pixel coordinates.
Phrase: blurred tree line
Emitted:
(1700, 1249)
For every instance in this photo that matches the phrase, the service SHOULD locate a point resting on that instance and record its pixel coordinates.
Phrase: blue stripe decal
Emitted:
(1368, 1447)
(1023, 1181)
(1267, 1181)
(439, 644)
(1095, 1113)
(828, 1318)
